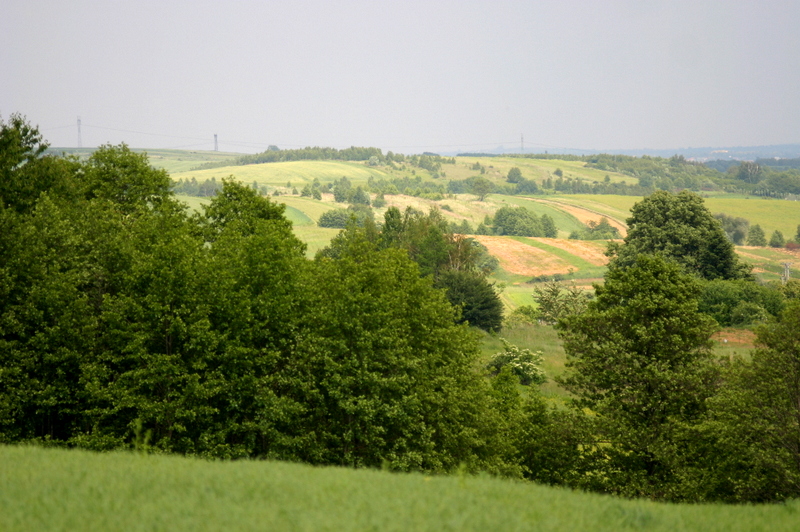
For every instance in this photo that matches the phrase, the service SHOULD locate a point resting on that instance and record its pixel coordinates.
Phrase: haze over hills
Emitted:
(738, 153)
(734, 153)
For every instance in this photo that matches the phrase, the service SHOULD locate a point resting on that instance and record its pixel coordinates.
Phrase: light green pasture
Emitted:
(770, 214)
(298, 173)
(536, 169)
(50, 489)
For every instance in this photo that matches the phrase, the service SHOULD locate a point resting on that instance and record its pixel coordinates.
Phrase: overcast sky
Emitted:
(404, 76)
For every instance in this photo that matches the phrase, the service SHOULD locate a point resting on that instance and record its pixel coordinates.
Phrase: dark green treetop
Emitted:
(681, 228)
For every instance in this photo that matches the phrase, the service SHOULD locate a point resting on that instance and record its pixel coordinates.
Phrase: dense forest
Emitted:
(125, 321)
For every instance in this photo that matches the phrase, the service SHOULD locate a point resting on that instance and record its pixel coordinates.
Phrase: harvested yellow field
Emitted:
(521, 259)
(591, 252)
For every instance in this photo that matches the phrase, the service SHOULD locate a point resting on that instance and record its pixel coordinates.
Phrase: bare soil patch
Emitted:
(737, 337)
(521, 259)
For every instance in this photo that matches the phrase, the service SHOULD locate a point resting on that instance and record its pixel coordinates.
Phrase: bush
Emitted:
(336, 218)
(524, 363)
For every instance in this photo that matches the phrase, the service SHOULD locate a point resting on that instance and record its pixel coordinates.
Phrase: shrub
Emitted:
(524, 363)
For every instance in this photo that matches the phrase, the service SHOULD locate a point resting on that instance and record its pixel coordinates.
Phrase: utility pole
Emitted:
(786, 272)
(216, 147)
(80, 144)
(521, 143)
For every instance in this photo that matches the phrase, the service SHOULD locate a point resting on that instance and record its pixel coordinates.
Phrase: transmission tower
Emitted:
(521, 143)
(216, 147)
(80, 144)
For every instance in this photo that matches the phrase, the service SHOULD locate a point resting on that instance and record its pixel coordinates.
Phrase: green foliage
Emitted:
(601, 230)
(191, 187)
(117, 174)
(777, 240)
(525, 364)
(481, 187)
(549, 229)
(475, 296)
(514, 175)
(339, 218)
(557, 301)
(639, 359)
(756, 236)
(681, 228)
(121, 316)
(739, 302)
(275, 155)
(751, 435)
(394, 371)
(518, 221)
(735, 227)
(239, 207)
(342, 190)
(522, 315)
(25, 172)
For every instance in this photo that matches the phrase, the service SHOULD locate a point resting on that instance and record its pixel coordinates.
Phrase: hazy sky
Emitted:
(404, 76)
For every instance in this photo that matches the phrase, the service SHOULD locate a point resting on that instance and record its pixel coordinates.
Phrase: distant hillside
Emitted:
(742, 153)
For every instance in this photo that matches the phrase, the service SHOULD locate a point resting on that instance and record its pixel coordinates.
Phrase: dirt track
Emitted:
(585, 215)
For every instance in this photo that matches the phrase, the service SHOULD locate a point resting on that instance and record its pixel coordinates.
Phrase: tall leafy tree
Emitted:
(389, 373)
(756, 236)
(681, 228)
(638, 357)
(777, 240)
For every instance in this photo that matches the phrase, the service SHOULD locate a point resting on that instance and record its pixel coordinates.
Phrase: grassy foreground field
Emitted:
(44, 489)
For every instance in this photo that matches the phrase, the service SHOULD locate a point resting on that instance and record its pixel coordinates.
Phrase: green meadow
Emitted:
(49, 489)
(298, 173)
(770, 214)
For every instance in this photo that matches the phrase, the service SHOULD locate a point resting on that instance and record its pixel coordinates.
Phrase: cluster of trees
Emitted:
(275, 155)
(763, 177)
(455, 263)
(757, 237)
(372, 156)
(192, 187)
(213, 335)
(600, 230)
(411, 186)
(668, 420)
(518, 221)
(482, 187)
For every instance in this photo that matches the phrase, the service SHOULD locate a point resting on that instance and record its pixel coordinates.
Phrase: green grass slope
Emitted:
(770, 214)
(74, 490)
(298, 173)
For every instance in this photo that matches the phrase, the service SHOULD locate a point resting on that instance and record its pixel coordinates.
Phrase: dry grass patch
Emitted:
(591, 252)
(521, 259)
